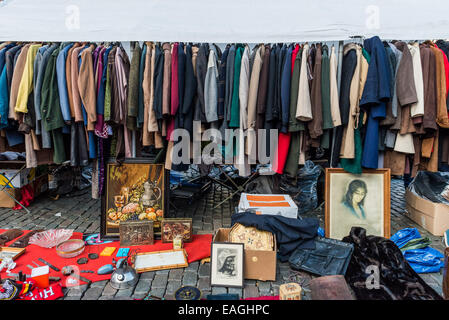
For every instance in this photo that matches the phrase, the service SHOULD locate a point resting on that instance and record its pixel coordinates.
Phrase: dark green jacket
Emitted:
(140, 114)
(133, 88)
(294, 124)
(235, 105)
(50, 108)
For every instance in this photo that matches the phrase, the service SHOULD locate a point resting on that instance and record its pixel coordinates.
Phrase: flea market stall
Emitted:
(278, 93)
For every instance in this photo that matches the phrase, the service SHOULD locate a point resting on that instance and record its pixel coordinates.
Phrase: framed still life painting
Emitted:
(361, 200)
(135, 190)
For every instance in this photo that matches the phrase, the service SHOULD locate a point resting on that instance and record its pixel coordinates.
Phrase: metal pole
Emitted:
(133, 132)
(7, 193)
(133, 140)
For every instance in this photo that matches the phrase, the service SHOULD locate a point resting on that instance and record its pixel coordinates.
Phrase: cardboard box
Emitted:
(39, 185)
(24, 177)
(258, 264)
(7, 202)
(434, 217)
(272, 204)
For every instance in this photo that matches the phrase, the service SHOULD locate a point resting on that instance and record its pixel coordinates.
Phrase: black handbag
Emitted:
(330, 257)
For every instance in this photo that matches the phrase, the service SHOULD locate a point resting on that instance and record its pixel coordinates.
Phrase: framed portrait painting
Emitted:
(226, 264)
(357, 201)
(135, 190)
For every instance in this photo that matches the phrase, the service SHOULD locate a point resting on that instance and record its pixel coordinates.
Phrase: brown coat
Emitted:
(252, 100)
(430, 95)
(395, 161)
(355, 94)
(75, 90)
(166, 88)
(87, 87)
(17, 76)
(68, 78)
(405, 90)
(442, 118)
(432, 164)
(347, 149)
(146, 87)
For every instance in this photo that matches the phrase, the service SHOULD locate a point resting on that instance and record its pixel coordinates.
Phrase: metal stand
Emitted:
(9, 195)
(238, 188)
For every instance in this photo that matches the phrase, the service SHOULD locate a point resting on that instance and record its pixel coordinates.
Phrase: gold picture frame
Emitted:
(357, 200)
(160, 260)
(174, 226)
(135, 190)
(12, 253)
(136, 233)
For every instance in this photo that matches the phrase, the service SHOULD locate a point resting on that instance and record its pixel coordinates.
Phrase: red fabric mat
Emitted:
(198, 249)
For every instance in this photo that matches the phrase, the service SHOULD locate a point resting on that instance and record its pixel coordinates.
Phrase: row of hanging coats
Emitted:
(83, 102)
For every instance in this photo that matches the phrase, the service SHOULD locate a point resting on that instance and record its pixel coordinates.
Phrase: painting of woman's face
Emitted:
(358, 195)
(357, 201)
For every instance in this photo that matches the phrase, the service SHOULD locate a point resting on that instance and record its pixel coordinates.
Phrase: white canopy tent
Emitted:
(250, 21)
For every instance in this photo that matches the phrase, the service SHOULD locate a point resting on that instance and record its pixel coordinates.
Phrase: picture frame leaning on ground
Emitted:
(357, 201)
(227, 264)
(135, 190)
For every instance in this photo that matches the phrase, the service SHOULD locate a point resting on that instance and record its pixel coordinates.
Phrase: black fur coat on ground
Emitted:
(397, 280)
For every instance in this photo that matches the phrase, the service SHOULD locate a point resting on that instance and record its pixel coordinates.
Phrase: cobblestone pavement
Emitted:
(81, 213)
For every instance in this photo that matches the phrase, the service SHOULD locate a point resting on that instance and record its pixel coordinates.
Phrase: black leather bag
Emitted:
(330, 257)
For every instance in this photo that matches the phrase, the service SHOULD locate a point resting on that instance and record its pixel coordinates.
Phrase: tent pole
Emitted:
(133, 132)
(340, 62)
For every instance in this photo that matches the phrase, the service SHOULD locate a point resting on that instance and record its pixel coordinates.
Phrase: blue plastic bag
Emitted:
(403, 236)
(320, 232)
(424, 260)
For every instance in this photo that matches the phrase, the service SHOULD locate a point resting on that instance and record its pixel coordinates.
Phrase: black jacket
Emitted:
(290, 233)
(201, 70)
(157, 85)
(189, 91)
(222, 83)
(271, 86)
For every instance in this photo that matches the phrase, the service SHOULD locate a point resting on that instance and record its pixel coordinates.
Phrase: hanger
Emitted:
(358, 39)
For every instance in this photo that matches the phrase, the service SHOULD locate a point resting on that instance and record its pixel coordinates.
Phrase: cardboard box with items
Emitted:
(434, 217)
(258, 264)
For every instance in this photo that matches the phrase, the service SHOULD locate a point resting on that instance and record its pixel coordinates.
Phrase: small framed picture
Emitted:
(136, 233)
(227, 264)
(173, 227)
